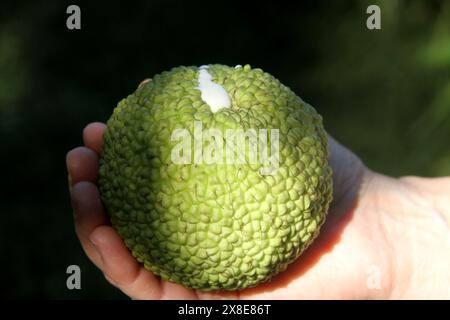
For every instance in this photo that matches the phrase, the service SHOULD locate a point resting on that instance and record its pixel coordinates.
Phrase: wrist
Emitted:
(417, 224)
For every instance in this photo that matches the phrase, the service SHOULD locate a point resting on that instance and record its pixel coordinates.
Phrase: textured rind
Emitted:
(215, 226)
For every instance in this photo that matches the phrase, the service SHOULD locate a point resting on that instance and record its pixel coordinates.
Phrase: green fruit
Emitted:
(215, 225)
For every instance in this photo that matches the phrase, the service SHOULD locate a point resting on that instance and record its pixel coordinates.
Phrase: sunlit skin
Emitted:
(384, 237)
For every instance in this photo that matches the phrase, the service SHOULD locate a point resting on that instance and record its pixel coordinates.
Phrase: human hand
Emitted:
(383, 238)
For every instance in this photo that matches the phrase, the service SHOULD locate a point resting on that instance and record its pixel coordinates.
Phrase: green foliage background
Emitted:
(384, 94)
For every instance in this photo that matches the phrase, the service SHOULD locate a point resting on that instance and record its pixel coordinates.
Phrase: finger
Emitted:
(119, 264)
(88, 215)
(93, 136)
(175, 291)
(82, 165)
(121, 268)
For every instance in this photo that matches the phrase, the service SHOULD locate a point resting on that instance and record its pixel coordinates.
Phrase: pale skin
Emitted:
(384, 238)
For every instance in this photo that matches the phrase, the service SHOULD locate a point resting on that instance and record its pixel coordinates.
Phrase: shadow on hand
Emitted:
(340, 214)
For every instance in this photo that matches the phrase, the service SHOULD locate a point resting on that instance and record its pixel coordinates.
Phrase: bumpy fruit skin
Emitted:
(214, 226)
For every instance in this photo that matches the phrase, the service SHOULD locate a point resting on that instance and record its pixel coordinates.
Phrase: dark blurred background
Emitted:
(385, 94)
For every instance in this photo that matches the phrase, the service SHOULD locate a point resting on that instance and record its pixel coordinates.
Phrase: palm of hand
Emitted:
(350, 252)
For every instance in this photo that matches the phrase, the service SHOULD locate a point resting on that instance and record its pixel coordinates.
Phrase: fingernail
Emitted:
(97, 249)
(110, 280)
(94, 243)
(144, 82)
(91, 239)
